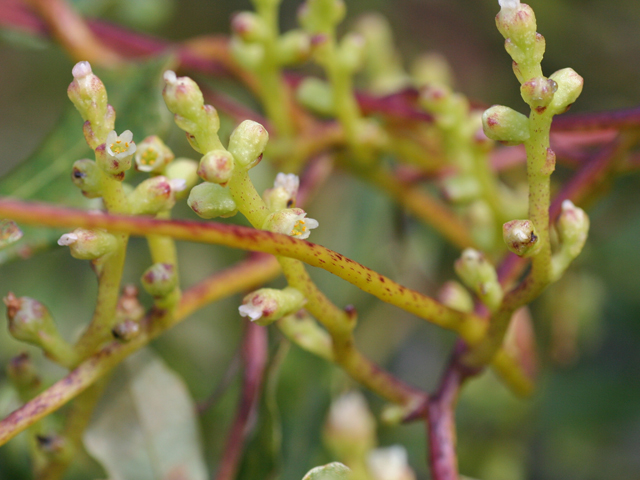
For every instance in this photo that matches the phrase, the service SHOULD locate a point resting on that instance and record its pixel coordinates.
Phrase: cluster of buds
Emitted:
(129, 312)
(266, 305)
(480, 276)
(256, 41)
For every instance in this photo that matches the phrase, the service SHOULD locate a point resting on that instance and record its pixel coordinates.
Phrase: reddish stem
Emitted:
(254, 355)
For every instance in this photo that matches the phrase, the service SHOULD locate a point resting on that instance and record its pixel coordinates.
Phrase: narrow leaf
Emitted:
(145, 428)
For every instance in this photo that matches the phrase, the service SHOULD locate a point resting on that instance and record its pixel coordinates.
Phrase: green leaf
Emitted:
(331, 471)
(145, 427)
(136, 94)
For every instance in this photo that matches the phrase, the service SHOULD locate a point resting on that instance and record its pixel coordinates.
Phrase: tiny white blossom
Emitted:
(81, 69)
(389, 463)
(509, 4)
(67, 239)
(122, 146)
(170, 77)
(289, 182)
(178, 184)
(291, 221)
(254, 312)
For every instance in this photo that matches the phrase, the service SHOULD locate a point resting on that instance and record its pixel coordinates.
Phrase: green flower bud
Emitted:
(330, 471)
(152, 155)
(126, 331)
(182, 96)
(266, 305)
(538, 92)
(216, 167)
(248, 26)
(155, 195)
(351, 52)
(87, 176)
(114, 156)
(573, 227)
(435, 97)
(23, 373)
(183, 169)
(516, 21)
(249, 55)
(454, 295)
(432, 69)
(293, 47)
(569, 89)
(87, 92)
(316, 95)
(160, 279)
(321, 16)
(209, 200)
(29, 320)
(247, 143)
(480, 276)
(88, 244)
(284, 192)
(350, 429)
(521, 237)
(505, 125)
(290, 221)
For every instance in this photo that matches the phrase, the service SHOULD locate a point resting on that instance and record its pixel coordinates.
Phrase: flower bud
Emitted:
(460, 188)
(88, 244)
(569, 89)
(454, 295)
(155, 195)
(126, 330)
(521, 237)
(248, 55)
(434, 97)
(29, 320)
(316, 95)
(160, 279)
(152, 155)
(538, 92)
(350, 429)
(389, 463)
(293, 47)
(216, 167)
(114, 157)
(23, 374)
(184, 169)
(87, 93)
(9, 232)
(209, 200)
(505, 125)
(248, 26)
(516, 21)
(573, 227)
(351, 52)
(290, 221)
(480, 276)
(284, 192)
(330, 471)
(320, 16)
(431, 69)
(266, 305)
(87, 176)
(182, 95)
(247, 143)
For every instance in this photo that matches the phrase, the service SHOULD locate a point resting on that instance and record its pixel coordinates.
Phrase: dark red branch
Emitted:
(254, 355)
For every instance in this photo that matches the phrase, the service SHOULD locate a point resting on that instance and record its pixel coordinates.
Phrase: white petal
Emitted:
(67, 239)
(388, 463)
(311, 223)
(568, 205)
(81, 69)
(112, 136)
(251, 311)
(178, 184)
(509, 4)
(126, 136)
(170, 77)
(303, 235)
(290, 182)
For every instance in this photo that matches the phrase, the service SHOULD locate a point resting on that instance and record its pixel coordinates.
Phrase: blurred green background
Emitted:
(583, 422)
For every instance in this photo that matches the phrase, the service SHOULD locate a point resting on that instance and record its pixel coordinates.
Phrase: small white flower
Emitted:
(120, 147)
(178, 184)
(289, 182)
(254, 312)
(67, 239)
(170, 77)
(290, 221)
(509, 4)
(389, 463)
(81, 69)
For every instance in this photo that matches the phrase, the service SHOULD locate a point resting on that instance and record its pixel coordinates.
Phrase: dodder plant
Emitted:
(410, 137)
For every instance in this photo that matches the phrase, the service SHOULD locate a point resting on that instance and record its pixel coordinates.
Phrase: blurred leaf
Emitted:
(136, 94)
(9, 233)
(332, 471)
(146, 428)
